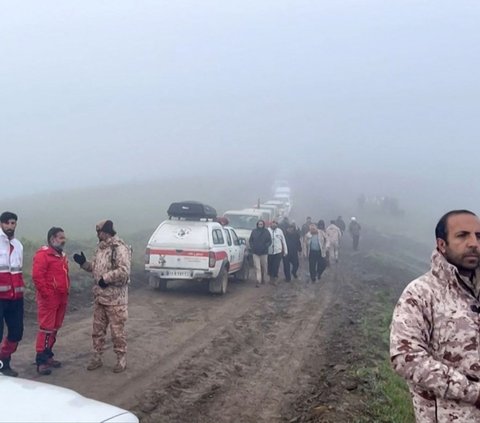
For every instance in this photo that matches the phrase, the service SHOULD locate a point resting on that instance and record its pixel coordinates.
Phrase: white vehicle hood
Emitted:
(28, 401)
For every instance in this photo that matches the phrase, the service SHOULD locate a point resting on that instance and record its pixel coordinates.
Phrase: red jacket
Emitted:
(11, 261)
(50, 272)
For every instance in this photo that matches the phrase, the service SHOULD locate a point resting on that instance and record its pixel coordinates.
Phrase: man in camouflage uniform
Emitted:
(435, 333)
(111, 271)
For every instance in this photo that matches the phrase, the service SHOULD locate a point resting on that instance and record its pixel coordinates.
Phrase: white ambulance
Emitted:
(193, 245)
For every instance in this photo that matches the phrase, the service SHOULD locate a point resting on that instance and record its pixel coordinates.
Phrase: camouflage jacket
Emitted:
(434, 344)
(111, 261)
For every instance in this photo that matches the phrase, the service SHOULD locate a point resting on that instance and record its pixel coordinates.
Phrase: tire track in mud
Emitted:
(245, 372)
(163, 329)
(186, 330)
(255, 355)
(324, 385)
(335, 390)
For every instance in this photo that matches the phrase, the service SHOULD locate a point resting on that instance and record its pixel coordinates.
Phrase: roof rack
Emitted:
(191, 210)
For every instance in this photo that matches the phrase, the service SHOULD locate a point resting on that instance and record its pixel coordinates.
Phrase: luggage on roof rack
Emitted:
(191, 210)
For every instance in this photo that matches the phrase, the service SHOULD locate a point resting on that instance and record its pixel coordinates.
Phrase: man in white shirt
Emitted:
(12, 288)
(277, 250)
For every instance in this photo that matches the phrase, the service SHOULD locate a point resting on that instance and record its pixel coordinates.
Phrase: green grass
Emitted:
(390, 399)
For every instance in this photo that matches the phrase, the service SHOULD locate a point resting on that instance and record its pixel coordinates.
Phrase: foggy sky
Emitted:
(96, 92)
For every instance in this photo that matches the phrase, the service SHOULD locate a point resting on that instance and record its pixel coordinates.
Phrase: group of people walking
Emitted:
(285, 242)
(110, 267)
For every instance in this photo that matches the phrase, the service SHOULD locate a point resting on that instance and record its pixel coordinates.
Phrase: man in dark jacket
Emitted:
(260, 240)
(294, 247)
(284, 224)
(354, 229)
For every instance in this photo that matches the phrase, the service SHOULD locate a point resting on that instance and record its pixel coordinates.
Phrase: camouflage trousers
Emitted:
(116, 317)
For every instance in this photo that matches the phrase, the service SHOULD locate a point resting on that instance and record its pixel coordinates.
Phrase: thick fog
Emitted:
(370, 96)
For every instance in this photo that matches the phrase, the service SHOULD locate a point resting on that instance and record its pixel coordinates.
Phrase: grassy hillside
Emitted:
(134, 207)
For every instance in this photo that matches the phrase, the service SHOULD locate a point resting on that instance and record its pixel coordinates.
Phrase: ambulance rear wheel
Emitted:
(244, 273)
(219, 284)
(157, 283)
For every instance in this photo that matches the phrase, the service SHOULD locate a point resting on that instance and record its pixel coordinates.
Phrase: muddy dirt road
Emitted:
(250, 356)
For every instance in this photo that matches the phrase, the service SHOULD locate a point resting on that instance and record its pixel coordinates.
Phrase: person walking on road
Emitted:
(284, 224)
(294, 247)
(111, 271)
(354, 229)
(277, 250)
(341, 224)
(333, 237)
(260, 240)
(304, 231)
(316, 250)
(435, 327)
(306, 226)
(12, 288)
(322, 230)
(52, 282)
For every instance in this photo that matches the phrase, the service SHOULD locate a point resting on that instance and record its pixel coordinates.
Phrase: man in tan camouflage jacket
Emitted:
(111, 271)
(435, 333)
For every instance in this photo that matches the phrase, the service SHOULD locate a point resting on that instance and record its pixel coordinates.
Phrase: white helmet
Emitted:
(354, 218)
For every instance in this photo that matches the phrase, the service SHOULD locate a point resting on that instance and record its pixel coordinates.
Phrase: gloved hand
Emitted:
(80, 258)
(102, 284)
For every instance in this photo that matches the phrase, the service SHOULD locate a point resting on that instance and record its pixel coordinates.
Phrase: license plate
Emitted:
(176, 274)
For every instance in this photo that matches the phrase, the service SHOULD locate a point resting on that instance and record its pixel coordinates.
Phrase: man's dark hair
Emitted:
(53, 232)
(6, 216)
(441, 228)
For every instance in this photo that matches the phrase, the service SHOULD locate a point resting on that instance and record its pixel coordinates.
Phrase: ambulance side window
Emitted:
(217, 237)
(229, 238)
(236, 241)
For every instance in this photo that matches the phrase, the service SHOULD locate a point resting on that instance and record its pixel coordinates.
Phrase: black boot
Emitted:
(5, 368)
(43, 367)
(51, 361)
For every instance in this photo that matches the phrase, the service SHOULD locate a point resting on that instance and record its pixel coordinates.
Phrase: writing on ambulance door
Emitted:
(230, 249)
(237, 246)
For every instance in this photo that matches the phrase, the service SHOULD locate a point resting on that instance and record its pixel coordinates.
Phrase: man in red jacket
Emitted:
(51, 279)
